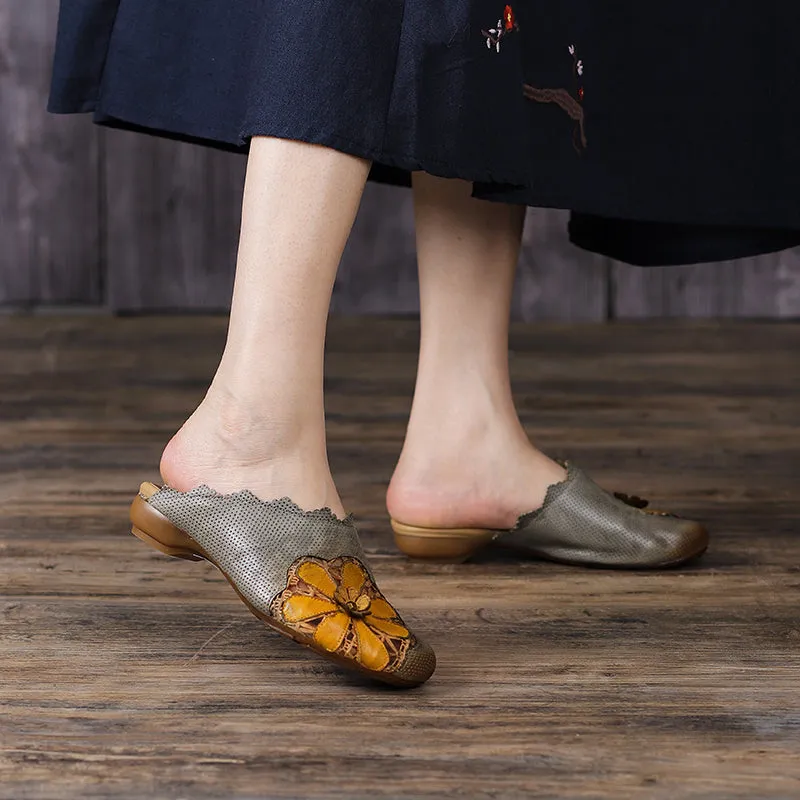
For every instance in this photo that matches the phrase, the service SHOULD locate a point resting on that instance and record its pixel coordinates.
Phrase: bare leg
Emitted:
(467, 460)
(261, 425)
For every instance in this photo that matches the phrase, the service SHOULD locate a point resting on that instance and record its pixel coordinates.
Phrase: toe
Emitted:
(417, 666)
(679, 542)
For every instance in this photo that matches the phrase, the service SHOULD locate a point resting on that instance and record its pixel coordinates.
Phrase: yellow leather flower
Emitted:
(352, 613)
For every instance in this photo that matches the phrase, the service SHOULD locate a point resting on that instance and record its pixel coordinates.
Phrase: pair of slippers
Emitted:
(305, 573)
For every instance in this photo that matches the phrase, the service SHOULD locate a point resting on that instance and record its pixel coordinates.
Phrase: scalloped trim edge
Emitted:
(204, 490)
(553, 490)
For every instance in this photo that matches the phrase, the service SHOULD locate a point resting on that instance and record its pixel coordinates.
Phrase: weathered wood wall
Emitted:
(50, 229)
(129, 223)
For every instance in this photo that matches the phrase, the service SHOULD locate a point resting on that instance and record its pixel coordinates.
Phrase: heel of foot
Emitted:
(449, 545)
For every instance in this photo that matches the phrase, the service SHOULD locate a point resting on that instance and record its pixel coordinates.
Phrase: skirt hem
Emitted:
(107, 115)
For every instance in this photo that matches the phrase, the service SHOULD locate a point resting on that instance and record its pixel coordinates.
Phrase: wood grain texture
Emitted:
(49, 203)
(173, 217)
(127, 675)
(767, 286)
(173, 227)
(378, 272)
(556, 280)
(173, 223)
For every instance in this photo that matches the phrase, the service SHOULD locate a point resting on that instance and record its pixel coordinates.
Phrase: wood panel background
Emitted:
(50, 228)
(128, 223)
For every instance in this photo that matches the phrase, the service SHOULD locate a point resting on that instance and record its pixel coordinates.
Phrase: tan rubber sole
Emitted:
(456, 545)
(153, 528)
(451, 545)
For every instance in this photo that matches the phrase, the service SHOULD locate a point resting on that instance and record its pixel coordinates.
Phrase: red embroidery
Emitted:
(561, 97)
(505, 25)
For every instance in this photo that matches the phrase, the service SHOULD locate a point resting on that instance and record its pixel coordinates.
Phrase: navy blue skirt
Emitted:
(670, 132)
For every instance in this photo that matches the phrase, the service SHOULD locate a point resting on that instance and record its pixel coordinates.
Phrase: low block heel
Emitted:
(448, 545)
(153, 528)
(175, 552)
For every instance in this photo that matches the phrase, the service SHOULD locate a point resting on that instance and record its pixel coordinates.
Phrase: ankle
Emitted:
(256, 425)
(463, 423)
(194, 457)
(476, 390)
(223, 440)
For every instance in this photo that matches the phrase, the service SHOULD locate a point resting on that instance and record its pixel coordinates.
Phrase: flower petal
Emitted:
(388, 627)
(380, 608)
(371, 651)
(353, 577)
(299, 607)
(331, 631)
(318, 577)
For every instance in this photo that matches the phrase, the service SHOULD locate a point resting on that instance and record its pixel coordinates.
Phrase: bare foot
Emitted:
(229, 448)
(478, 479)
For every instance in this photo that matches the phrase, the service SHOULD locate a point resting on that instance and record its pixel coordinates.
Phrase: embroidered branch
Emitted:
(565, 100)
(562, 98)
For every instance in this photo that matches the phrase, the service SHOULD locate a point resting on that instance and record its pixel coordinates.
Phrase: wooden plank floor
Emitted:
(126, 674)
